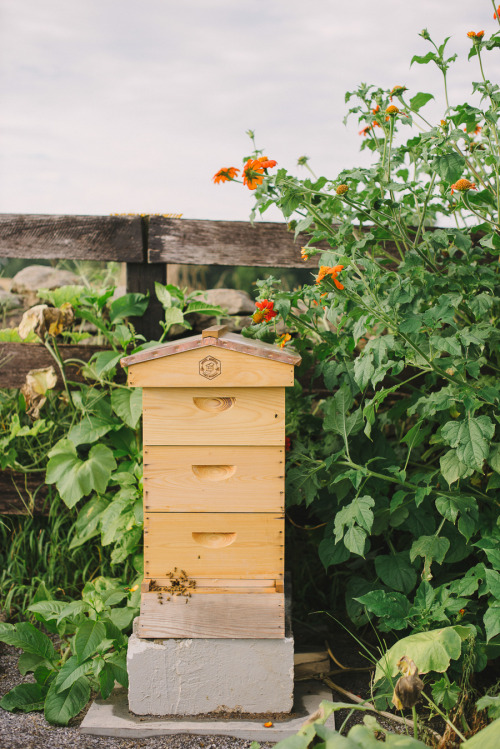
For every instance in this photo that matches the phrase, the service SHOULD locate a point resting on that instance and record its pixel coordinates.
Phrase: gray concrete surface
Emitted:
(112, 718)
(198, 676)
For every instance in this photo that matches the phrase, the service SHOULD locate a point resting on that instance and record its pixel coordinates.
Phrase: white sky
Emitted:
(117, 106)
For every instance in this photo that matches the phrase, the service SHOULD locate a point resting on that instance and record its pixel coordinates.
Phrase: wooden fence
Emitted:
(147, 244)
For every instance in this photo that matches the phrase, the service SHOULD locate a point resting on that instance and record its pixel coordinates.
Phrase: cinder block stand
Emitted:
(199, 676)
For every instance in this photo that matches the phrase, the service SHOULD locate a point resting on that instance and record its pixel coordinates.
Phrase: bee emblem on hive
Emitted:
(210, 367)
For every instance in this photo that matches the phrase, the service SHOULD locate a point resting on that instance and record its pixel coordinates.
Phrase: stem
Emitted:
(56, 355)
(415, 722)
(445, 717)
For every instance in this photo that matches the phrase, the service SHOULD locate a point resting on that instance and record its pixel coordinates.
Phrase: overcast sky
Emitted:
(121, 106)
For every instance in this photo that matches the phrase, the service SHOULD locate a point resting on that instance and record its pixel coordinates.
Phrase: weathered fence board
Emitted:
(23, 493)
(198, 242)
(17, 359)
(74, 237)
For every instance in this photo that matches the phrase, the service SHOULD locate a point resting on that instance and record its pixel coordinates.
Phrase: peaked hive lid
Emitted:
(218, 336)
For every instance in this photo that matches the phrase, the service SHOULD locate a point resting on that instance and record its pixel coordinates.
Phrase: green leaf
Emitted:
(471, 438)
(202, 308)
(60, 707)
(393, 607)
(332, 553)
(87, 639)
(431, 651)
(118, 663)
(173, 316)
(29, 662)
(449, 507)
(420, 100)
(29, 638)
(492, 702)
(336, 410)
(358, 517)
(163, 295)
(492, 578)
(450, 166)
(445, 693)
(90, 429)
(396, 572)
(363, 370)
(70, 673)
(25, 697)
(106, 681)
(452, 468)
(76, 478)
(127, 404)
(48, 609)
(423, 59)
(494, 457)
(128, 305)
(430, 548)
(105, 361)
(491, 621)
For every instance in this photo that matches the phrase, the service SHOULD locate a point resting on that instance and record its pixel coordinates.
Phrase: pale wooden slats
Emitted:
(212, 416)
(210, 545)
(233, 615)
(187, 369)
(213, 479)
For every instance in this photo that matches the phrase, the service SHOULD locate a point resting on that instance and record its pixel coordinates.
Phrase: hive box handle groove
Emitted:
(214, 540)
(213, 472)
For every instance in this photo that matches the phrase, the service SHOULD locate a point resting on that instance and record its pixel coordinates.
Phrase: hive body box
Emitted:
(214, 442)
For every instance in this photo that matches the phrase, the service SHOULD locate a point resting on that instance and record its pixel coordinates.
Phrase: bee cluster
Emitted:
(180, 585)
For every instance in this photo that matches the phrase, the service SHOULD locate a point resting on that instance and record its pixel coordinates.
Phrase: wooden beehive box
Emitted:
(214, 458)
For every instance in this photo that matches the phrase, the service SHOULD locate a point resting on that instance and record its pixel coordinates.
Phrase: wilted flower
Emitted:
(302, 160)
(409, 686)
(34, 390)
(43, 320)
(397, 91)
(342, 189)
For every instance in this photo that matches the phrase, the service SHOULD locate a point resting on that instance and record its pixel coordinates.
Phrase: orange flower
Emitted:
(397, 91)
(462, 612)
(463, 185)
(303, 253)
(266, 163)
(476, 131)
(268, 724)
(497, 14)
(265, 311)
(392, 110)
(333, 272)
(253, 174)
(376, 109)
(364, 132)
(225, 175)
(283, 340)
(342, 189)
(475, 35)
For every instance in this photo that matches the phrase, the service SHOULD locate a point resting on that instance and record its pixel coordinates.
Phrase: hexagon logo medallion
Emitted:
(210, 367)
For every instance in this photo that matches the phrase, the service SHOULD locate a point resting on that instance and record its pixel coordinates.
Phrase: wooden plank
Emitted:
(265, 244)
(225, 545)
(309, 665)
(221, 585)
(17, 359)
(74, 237)
(213, 479)
(212, 416)
(211, 366)
(214, 331)
(228, 615)
(23, 493)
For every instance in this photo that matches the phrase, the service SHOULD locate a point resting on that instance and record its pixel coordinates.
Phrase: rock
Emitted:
(9, 301)
(34, 277)
(234, 301)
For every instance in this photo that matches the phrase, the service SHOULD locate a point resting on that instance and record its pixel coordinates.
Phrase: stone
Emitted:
(234, 301)
(198, 676)
(111, 717)
(34, 277)
(9, 301)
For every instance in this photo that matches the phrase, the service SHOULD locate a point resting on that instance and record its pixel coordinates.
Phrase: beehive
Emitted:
(214, 437)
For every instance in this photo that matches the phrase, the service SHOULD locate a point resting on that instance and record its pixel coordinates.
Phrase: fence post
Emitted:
(141, 277)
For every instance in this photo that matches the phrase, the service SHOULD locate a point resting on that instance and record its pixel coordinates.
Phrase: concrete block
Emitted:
(194, 677)
(111, 717)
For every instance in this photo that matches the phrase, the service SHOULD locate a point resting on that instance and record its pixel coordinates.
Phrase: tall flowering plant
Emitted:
(395, 450)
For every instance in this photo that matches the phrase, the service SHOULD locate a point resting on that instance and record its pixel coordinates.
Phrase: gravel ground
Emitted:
(31, 730)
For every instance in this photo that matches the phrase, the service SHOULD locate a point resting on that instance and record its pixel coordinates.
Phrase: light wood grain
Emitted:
(222, 585)
(255, 417)
(236, 370)
(213, 479)
(170, 541)
(233, 615)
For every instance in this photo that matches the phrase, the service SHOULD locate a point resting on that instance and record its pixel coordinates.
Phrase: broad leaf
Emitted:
(488, 738)
(87, 639)
(25, 697)
(471, 438)
(127, 404)
(452, 468)
(430, 548)
(420, 100)
(90, 429)
(75, 478)
(128, 305)
(29, 638)
(450, 166)
(60, 707)
(396, 572)
(492, 621)
(70, 673)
